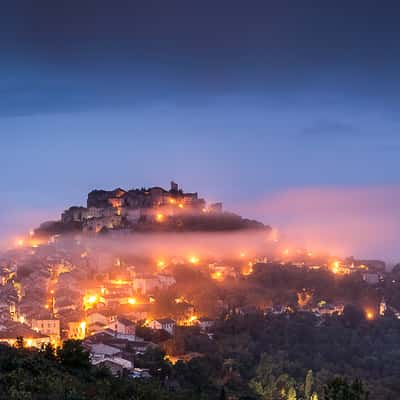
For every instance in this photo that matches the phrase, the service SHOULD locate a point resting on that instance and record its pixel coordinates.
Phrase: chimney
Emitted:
(174, 186)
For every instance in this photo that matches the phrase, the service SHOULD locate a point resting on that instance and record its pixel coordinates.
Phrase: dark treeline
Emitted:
(281, 357)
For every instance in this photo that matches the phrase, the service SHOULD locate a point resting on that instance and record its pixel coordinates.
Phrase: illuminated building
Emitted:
(382, 308)
(49, 327)
(77, 330)
(31, 337)
(108, 209)
(123, 326)
(165, 324)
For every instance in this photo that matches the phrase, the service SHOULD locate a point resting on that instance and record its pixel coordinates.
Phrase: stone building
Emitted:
(118, 208)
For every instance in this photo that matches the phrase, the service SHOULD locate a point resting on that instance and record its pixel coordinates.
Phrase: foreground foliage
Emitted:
(282, 357)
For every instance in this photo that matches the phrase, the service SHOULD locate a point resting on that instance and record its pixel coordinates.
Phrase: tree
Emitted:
(19, 344)
(308, 385)
(340, 389)
(352, 316)
(222, 396)
(292, 393)
(73, 355)
(270, 384)
(49, 351)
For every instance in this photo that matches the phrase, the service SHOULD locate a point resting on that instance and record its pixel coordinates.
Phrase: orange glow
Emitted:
(20, 242)
(248, 270)
(90, 300)
(46, 306)
(82, 327)
(29, 342)
(204, 210)
(132, 300)
(194, 260)
(336, 267)
(115, 203)
(180, 205)
(160, 263)
(31, 232)
(160, 217)
(217, 275)
(286, 252)
(171, 200)
(242, 254)
(370, 315)
(119, 282)
(189, 321)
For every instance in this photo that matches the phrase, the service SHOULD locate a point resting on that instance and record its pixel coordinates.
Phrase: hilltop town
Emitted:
(152, 209)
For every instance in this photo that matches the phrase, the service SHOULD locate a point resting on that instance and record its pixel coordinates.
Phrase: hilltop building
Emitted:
(119, 208)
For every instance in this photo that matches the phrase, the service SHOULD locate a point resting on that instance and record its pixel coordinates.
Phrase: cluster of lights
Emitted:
(90, 301)
(336, 267)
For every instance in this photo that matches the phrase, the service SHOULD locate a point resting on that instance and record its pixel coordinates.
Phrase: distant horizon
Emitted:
(336, 207)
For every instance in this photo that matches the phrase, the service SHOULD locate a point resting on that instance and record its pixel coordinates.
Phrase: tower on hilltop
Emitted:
(174, 186)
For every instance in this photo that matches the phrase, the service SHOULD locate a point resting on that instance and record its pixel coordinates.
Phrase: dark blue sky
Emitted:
(234, 99)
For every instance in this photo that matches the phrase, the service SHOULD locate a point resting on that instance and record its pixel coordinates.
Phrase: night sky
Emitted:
(243, 101)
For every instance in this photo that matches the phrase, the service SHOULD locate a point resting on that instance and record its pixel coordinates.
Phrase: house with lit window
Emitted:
(49, 327)
(123, 326)
(10, 334)
(166, 324)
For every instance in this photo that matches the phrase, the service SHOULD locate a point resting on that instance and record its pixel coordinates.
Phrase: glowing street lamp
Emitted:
(159, 217)
(194, 260)
(369, 315)
(160, 263)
